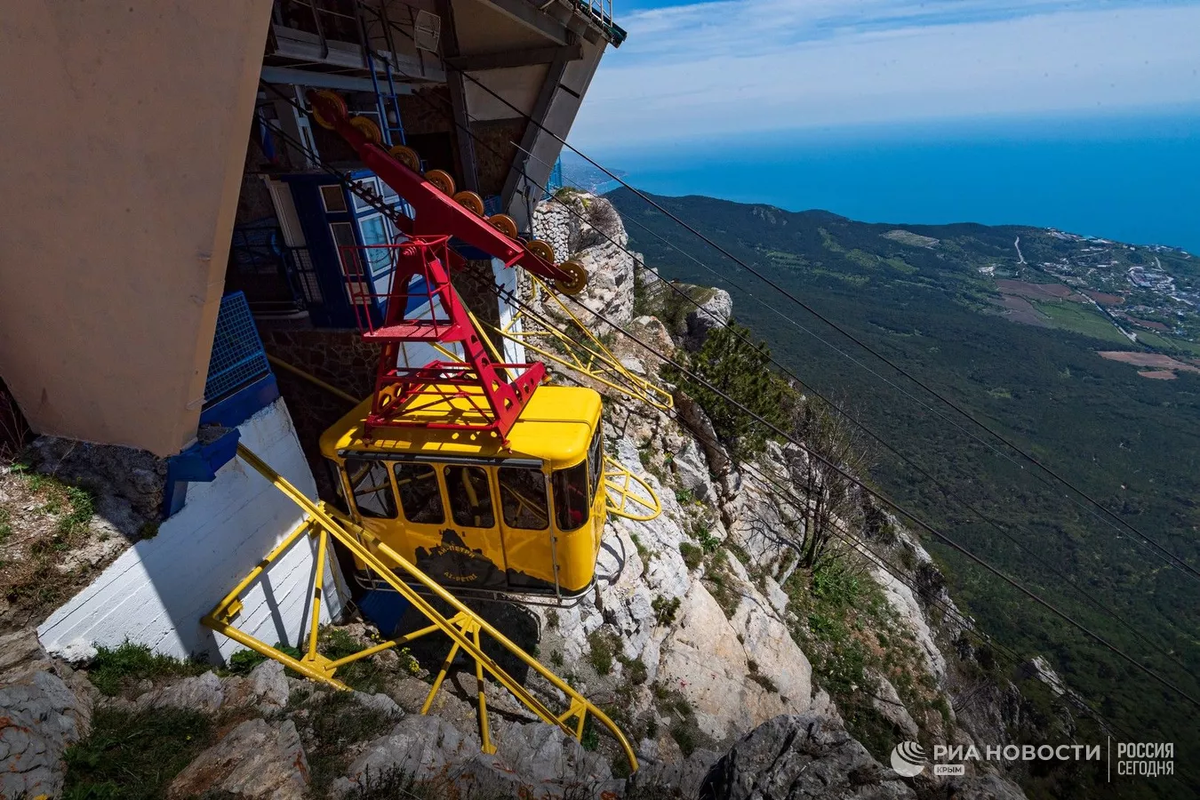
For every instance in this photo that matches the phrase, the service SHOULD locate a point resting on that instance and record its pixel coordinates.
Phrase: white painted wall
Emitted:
(156, 592)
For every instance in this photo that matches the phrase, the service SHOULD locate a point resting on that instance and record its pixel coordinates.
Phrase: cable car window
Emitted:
(523, 498)
(571, 496)
(371, 487)
(470, 498)
(596, 460)
(420, 497)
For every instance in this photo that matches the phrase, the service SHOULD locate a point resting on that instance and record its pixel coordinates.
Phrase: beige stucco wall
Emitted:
(125, 129)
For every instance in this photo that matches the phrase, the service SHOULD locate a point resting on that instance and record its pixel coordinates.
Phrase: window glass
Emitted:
(571, 496)
(523, 498)
(470, 498)
(374, 232)
(334, 198)
(371, 487)
(596, 460)
(420, 498)
(367, 187)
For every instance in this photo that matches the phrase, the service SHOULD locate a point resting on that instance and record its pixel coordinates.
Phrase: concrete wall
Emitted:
(156, 592)
(124, 138)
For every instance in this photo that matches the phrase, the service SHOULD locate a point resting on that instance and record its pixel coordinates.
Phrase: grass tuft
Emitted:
(134, 755)
(114, 670)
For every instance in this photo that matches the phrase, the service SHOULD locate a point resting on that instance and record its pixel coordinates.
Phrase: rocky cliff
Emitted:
(742, 660)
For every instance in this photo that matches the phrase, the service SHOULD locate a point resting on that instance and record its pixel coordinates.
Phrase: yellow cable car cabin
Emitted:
(474, 512)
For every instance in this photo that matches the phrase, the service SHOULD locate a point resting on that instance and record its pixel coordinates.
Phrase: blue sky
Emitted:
(717, 69)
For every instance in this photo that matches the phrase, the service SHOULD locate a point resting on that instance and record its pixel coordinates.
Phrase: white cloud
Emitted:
(742, 66)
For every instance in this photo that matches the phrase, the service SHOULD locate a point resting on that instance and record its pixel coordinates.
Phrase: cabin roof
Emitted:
(556, 426)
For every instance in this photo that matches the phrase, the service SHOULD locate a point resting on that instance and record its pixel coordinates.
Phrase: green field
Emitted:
(1080, 318)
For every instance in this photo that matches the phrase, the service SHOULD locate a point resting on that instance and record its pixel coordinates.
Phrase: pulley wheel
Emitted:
(441, 179)
(470, 201)
(336, 99)
(505, 224)
(406, 156)
(543, 250)
(576, 281)
(367, 127)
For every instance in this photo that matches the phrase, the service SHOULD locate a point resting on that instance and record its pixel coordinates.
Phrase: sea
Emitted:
(1133, 178)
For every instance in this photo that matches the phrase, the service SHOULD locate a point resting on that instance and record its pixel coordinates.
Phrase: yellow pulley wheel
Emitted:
(336, 99)
(470, 201)
(543, 250)
(576, 281)
(367, 127)
(406, 156)
(505, 224)
(441, 179)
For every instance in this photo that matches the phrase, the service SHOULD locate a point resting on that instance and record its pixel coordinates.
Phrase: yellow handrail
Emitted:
(464, 628)
(600, 364)
(313, 379)
(645, 497)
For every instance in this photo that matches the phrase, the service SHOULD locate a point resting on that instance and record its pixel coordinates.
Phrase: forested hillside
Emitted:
(1008, 323)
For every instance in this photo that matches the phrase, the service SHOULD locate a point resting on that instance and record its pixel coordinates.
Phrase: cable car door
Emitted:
(525, 528)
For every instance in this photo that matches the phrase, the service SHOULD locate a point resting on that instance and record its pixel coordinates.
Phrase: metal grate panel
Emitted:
(238, 357)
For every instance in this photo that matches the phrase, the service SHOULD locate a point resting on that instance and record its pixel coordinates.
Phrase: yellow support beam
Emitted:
(464, 628)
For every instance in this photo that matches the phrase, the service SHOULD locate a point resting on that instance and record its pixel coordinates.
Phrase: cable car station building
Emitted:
(176, 212)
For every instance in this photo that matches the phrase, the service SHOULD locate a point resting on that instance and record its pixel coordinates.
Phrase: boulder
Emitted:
(419, 745)
(39, 718)
(255, 759)
(886, 700)
(266, 686)
(543, 755)
(798, 757)
(714, 312)
(201, 693)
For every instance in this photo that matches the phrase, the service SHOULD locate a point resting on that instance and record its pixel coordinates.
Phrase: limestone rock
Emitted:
(379, 702)
(886, 700)
(255, 759)
(901, 598)
(712, 313)
(777, 658)
(799, 757)
(691, 468)
(543, 755)
(703, 659)
(39, 718)
(685, 777)
(202, 693)
(419, 745)
(266, 686)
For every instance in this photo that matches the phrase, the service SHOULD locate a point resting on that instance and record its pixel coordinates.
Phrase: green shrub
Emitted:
(702, 534)
(692, 555)
(603, 650)
(665, 609)
(635, 670)
(365, 674)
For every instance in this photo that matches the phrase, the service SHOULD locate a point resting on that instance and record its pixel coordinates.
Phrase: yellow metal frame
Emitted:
(632, 490)
(599, 365)
(465, 628)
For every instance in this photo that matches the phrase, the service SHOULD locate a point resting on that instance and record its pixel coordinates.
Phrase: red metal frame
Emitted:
(431, 312)
(437, 214)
